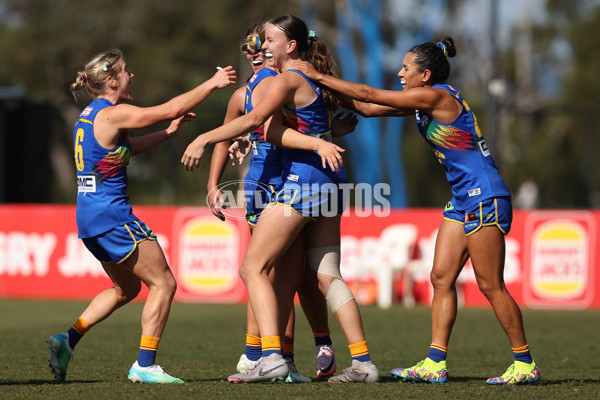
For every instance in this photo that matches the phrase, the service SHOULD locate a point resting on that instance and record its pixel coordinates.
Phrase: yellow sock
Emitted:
(359, 351)
(148, 348)
(76, 331)
(253, 349)
(270, 345)
(81, 326)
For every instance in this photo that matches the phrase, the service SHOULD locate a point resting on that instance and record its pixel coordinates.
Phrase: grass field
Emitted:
(203, 342)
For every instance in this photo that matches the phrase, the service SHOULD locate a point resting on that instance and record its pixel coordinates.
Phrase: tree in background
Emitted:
(169, 46)
(548, 118)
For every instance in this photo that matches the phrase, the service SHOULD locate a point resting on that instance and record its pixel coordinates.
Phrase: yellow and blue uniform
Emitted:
(480, 196)
(264, 173)
(105, 220)
(308, 188)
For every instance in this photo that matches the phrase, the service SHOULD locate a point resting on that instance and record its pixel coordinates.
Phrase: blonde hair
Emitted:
(92, 79)
(249, 45)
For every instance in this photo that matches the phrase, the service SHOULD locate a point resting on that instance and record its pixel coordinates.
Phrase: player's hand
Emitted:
(343, 124)
(239, 150)
(306, 68)
(193, 154)
(176, 123)
(330, 154)
(215, 202)
(224, 77)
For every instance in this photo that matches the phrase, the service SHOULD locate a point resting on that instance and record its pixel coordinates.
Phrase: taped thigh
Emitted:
(325, 260)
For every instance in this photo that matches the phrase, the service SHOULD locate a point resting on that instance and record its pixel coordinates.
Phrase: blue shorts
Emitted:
(313, 200)
(496, 211)
(257, 195)
(118, 243)
(263, 176)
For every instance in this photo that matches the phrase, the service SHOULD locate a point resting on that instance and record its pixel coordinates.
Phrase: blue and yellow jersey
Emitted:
(259, 133)
(315, 120)
(265, 159)
(102, 203)
(462, 151)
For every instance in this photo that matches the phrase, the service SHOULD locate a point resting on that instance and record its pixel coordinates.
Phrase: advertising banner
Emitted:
(551, 259)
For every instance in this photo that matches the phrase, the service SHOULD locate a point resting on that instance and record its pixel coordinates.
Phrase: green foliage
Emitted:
(174, 46)
(170, 47)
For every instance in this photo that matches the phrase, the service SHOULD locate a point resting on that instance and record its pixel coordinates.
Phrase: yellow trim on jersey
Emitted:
(87, 121)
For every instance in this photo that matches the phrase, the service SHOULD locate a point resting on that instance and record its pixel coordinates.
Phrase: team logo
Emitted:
(87, 111)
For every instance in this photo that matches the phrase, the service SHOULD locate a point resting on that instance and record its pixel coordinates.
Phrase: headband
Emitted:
(256, 40)
(444, 48)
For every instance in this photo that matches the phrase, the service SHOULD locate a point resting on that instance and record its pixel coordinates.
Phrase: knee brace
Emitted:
(326, 260)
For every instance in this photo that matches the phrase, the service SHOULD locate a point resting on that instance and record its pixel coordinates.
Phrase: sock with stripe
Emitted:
(522, 354)
(271, 345)
(253, 347)
(359, 351)
(148, 348)
(322, 338)
(437, 353)
(76, 332)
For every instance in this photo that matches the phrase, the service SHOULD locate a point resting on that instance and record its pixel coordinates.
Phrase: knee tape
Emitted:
(338, 294)
(326, 260)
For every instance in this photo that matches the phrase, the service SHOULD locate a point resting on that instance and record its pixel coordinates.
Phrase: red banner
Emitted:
(551, 257)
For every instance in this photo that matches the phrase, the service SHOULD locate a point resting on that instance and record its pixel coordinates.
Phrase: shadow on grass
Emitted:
(571, 381)
(40, 382)
(475, 379)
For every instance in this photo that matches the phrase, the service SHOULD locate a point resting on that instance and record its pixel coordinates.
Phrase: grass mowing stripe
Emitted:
(202, 344)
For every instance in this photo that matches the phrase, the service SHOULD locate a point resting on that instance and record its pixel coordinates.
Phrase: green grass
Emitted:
(203, 342)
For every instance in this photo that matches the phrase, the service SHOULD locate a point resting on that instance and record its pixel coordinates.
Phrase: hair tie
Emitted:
(444, 48)
(312, 36)
(84, 76)
(105, 67)
(256, 40)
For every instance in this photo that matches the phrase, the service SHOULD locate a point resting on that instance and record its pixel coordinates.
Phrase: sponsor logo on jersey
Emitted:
(483, 147)
(474, 192)
(87, 111)
(86, 183)
(293, 178)
(470, 217)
